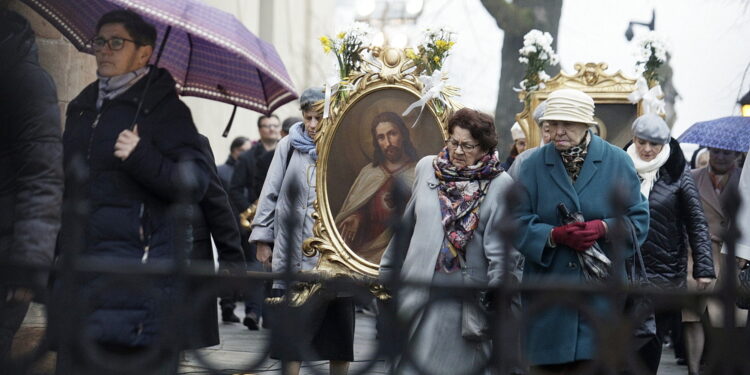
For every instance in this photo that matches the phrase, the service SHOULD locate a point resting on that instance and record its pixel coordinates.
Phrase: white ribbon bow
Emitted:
(332, 85)
(653, 101)
(432, 88)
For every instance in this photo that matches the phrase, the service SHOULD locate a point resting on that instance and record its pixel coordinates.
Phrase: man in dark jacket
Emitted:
(244, 192)
(30, 173)
(135, 176)
(213, 217)
(226, 171)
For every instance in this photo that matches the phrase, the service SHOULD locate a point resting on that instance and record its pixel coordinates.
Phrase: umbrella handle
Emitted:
(150, 76)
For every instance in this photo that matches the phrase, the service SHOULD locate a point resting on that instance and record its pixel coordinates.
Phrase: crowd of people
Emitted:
(133, 157)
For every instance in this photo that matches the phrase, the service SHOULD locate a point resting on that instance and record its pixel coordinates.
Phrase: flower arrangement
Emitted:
(651, 54)
(538, 54)
(346, 46)
(431, 54)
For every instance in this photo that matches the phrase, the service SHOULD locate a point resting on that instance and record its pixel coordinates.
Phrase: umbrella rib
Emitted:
(190, 58)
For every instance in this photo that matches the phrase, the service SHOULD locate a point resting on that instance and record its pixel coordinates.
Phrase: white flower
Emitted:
(554, 60)
(523, 60)
(648, 41)
(527, 50)
(543, 76)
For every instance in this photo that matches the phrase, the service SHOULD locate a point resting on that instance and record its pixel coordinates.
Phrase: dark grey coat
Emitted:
(31, 183)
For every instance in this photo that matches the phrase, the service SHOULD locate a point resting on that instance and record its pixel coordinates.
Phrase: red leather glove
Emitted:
(573, 235)
(596, 226)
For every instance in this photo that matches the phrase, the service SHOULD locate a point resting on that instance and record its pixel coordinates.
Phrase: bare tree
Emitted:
(516, 18)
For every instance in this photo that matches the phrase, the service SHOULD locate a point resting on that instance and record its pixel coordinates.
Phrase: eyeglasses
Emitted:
(115, 43)
(454, 144)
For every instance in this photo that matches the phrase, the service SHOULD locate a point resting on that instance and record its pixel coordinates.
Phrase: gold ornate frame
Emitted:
(388, 69)
(590, 78)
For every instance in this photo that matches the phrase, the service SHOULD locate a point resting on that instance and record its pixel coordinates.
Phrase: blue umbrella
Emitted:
(726, 133)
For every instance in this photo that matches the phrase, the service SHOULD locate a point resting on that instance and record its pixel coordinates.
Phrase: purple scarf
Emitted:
(460, 192)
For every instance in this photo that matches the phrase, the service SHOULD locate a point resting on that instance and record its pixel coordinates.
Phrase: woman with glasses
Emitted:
(454, 240)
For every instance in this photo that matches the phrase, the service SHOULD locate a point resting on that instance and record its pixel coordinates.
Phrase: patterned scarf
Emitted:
(461, 191)
(111, 87)
(301, 141)
(574, 157)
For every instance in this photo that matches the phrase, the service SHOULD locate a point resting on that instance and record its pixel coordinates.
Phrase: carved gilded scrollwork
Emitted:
(387, 82)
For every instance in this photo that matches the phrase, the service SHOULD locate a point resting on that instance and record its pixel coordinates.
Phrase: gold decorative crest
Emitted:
(606, 90)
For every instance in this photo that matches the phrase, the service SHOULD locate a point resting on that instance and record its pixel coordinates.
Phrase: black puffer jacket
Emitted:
(130, 218)
(676, 219)
(31, 182)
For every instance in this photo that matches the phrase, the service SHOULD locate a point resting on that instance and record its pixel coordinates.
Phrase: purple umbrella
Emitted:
(209, 52)
(726, 133)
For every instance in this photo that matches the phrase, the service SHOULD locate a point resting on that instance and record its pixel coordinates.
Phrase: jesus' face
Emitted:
(390, 141)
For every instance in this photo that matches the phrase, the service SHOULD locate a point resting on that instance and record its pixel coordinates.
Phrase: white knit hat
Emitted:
(516, 132)
(570, 105)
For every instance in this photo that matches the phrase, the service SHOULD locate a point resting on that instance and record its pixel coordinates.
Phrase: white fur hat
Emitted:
(516, 132)
(570, 105)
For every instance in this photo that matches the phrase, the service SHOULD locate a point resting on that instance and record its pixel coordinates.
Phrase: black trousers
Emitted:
(650, 353)
(256, 293)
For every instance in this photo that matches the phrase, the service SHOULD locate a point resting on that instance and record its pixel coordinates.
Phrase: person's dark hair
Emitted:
(480, 126)
(141, 31)
(694, 158)
(263, 117)
(408, 148)
(288, 122)
(513, 150)
(237, 143)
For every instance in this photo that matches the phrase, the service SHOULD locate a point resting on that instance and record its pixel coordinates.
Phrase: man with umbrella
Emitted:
(141, 154)
(580, 171)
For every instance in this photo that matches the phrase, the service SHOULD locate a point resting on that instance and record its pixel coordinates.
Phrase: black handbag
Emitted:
(743, 301)
(637, 306)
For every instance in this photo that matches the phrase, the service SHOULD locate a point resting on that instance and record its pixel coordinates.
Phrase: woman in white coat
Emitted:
(459, 193)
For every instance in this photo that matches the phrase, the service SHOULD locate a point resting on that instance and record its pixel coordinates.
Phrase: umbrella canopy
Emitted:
(209, 52)
(727, 133)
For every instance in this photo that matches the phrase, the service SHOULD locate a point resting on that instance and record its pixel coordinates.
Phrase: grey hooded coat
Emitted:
(285, 206)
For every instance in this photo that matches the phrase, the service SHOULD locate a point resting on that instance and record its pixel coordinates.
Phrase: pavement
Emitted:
(240, 346)
(241, 350)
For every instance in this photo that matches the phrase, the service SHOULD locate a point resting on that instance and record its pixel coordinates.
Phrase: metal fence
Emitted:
(199, 284)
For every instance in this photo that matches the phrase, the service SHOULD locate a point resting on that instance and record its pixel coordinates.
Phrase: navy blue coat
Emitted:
(129, 220)
(559, 334)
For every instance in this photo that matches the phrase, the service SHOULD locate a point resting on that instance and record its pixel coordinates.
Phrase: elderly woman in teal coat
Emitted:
(580, 170)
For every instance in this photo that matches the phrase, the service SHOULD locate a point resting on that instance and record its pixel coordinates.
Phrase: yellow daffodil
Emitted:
(441, 44)
(327, 44)
(436, 59)
(410, 54)
(341, 35)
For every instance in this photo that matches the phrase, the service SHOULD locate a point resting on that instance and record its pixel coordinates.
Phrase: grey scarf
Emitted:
(111, 87)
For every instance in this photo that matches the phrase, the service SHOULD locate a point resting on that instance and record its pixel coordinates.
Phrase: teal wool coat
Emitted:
(555, 333)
